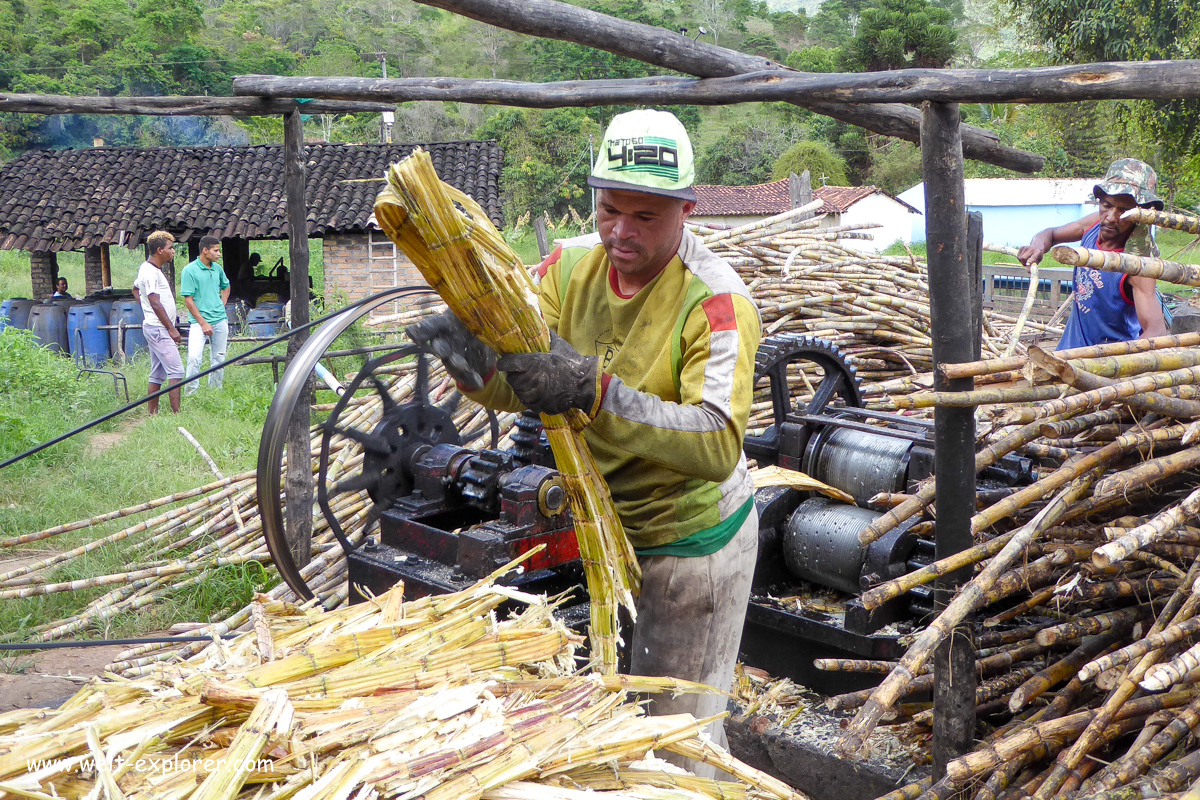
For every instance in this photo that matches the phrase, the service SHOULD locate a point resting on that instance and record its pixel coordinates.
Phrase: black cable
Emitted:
(107, 642)
(288, 334)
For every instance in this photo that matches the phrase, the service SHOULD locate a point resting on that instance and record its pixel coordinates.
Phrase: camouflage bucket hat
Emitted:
(1132, 177)
(645, 151)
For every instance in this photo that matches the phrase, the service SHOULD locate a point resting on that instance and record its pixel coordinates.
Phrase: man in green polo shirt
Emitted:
(205, 289)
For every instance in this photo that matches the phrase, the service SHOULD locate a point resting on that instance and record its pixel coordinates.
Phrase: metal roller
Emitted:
(862, 464)
(821, 543)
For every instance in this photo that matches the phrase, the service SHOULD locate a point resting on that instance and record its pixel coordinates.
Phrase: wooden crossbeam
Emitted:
(551, 19)
(179, 106)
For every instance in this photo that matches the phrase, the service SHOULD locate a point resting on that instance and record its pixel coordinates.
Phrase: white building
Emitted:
(731, 206)
(1016, 209)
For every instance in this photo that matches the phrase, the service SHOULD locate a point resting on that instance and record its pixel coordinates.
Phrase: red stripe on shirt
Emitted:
(720, 313)
(550, 259)
(1125, 289)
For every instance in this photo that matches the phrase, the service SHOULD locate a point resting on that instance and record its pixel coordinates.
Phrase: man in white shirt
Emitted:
(152, 289)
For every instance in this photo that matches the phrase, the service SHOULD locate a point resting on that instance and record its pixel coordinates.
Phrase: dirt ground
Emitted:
(100, 442)
(46, 679)
(49, 677)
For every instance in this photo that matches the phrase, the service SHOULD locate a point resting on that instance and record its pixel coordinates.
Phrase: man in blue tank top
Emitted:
(1110, 306)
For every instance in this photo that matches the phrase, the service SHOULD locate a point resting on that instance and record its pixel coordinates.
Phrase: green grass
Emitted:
(15, 275)
(72, 481)
(524, 241)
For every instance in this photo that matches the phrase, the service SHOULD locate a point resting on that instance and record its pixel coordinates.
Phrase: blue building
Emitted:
(1014, 210)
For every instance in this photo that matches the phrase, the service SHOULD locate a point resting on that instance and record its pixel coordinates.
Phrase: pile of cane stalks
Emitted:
(440, 698)
(179, 541)
(1084, 595)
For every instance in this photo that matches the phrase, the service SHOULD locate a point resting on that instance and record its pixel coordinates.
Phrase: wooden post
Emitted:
(105, 268)
(543, 241)
(952, 320)
(299, 481)
(800, 189)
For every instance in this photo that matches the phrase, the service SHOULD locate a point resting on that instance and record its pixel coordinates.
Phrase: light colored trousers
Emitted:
(689, 625)
(196, 340)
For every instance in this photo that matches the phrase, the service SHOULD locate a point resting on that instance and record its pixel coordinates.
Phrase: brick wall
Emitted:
(92, 270)
(348, 271)
(44, 270)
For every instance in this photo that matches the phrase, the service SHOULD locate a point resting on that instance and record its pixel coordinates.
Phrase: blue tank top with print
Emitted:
(1104, 310)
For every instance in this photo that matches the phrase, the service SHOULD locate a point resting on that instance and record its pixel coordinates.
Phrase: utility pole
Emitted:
(387, 118)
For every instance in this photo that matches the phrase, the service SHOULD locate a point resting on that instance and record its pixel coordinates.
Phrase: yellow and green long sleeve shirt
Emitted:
(677, 374)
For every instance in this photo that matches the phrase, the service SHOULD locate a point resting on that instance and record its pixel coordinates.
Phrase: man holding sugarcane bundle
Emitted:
(654, 338)
(1109, 306)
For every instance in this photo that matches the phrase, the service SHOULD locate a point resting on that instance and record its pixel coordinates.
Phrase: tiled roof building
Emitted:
(52, 200)
(730, 206)
(89, 199)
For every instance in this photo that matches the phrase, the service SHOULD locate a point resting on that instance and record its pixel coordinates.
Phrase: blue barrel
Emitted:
(266, 322)
(48, 321)
(129, 312)
(87, 319)
(105, 304)
(14, 312)
(236, 310)
(271, 305)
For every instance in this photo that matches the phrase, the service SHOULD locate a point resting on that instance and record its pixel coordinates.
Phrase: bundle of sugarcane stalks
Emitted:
(450, 239)
(1084, 596)
(440, 698)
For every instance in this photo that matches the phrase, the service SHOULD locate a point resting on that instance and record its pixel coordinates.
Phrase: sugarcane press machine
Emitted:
(444, 515)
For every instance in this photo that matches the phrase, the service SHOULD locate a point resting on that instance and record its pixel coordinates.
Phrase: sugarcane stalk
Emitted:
(1137, 363)
(971, 369)
(1062, 670)
(1139, 760)
(1163, 219)
(1069, 472)
(853, 665)
(1127, 263)
(979, 397)
(1145, 534)
(1150, 471)
(1095, 733)
(1089, 383)
(966, 600)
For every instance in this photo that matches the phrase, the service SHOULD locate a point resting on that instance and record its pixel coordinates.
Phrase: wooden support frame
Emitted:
(552, 19)
(955, 329)
(1153, 80)
(299, 479)
(178, 106)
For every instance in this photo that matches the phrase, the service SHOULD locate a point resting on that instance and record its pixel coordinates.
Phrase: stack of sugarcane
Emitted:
(214, 527)
(1084, 596)
(435, 698)
(466, 260)
(805, 280)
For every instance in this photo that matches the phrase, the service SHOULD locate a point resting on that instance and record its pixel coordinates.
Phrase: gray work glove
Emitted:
(552, 383)
(468, 360)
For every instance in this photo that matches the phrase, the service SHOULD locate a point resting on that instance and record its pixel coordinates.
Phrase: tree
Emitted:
(746, 153)
(834, 24)
(1164, 132)
(897, 34)
(825, 168)
(545, 158)
(895, 166)
(717, 16)
(814, 59)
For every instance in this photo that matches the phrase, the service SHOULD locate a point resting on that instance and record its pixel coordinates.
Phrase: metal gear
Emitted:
(839, 384)
(388, 447)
